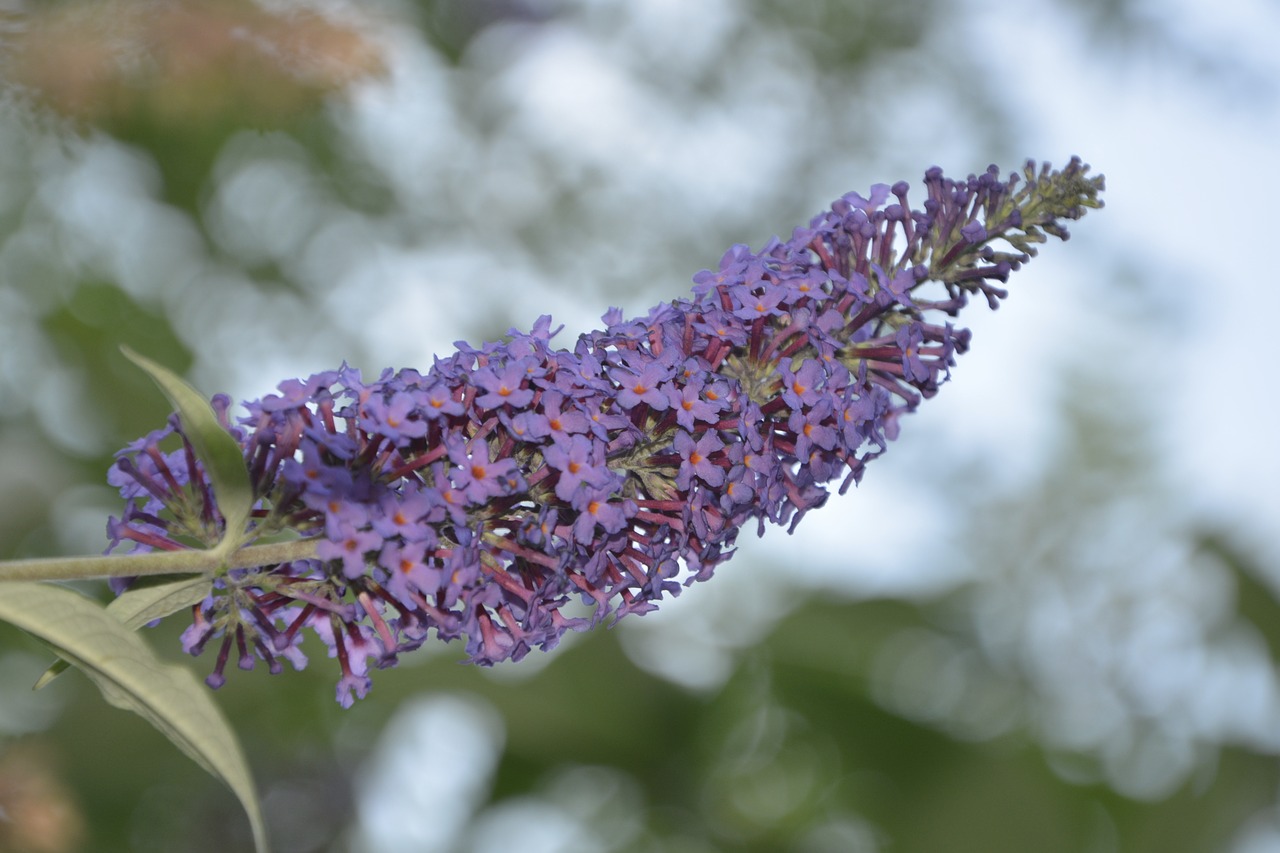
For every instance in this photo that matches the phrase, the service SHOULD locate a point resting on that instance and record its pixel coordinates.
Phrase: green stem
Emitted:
(192, 562)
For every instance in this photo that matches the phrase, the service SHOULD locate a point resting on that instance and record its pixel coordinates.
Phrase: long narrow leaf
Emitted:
(130, 676)
(137, 607)
(221, 456)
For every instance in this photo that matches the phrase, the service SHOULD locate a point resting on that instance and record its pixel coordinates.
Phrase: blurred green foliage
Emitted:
(794, 743)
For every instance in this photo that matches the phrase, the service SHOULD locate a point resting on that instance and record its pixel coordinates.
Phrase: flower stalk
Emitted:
(149, 564)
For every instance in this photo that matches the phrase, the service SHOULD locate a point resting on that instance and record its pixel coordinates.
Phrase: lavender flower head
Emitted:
(477, 499)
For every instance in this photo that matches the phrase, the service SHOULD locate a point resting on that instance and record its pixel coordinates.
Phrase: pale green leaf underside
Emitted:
(137, 607)
(130, 676)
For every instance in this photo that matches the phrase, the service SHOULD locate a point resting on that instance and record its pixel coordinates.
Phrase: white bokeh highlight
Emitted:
(429, 774)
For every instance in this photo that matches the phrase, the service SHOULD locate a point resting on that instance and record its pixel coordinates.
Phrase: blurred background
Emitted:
(1047, 620)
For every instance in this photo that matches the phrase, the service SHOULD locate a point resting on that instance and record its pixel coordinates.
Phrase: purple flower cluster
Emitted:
(478, 499)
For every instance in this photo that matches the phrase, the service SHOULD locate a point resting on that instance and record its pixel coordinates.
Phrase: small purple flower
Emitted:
(643, 387)
(813, 428)
(397, 419)
(910, 339)
(739, 489)
(602, 422)
(440, 401)
(347, 543)
(751, 304)
(720, 325)
(562, 420)
(696, 459)
(480, 477)
(352, 644)
(803, 386)
(580, 462)
(526, 425)
(596, 510)
(294, 393)
(411, 516)
(408, 571)
(879, 194)
(692, 405)
(860, 413)
(504, 387)
(895, 288)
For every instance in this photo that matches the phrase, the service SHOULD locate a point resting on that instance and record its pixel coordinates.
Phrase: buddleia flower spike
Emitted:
(477, 499)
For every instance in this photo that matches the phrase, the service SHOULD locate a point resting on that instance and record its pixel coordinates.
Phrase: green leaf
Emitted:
(137, 607)
(130, 676)
(220, 454)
